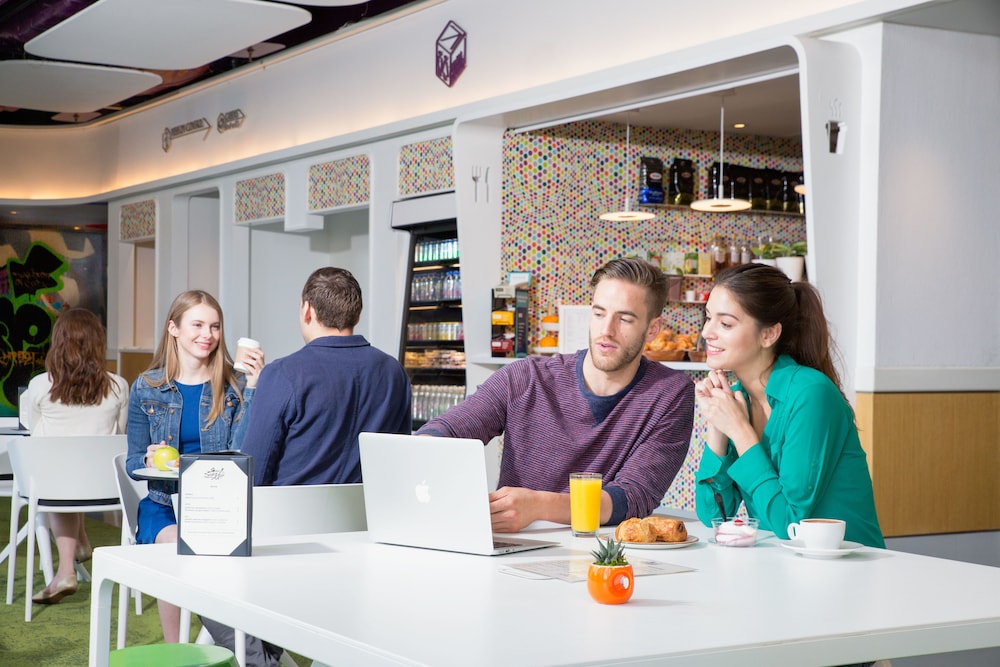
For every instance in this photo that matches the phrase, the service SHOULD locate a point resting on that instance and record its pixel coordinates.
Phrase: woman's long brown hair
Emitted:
(75, 361)
(220, 364)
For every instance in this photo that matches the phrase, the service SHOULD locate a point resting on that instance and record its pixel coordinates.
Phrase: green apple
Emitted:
(164, 457)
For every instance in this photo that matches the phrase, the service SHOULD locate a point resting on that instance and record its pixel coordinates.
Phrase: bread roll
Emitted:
(667, 529)
(635, 530)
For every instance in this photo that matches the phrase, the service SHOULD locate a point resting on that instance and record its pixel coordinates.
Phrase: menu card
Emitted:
(574, 328)
(215, 505)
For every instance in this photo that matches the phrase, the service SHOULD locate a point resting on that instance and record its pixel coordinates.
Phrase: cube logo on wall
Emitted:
(449, 61)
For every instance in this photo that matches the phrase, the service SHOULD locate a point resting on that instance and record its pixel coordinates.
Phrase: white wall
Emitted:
(938, 282)
(200, 216)
(515, 47)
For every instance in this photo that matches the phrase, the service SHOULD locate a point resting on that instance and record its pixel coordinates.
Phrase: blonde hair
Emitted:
(220, 364)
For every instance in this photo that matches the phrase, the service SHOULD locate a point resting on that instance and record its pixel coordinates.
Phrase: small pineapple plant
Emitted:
(609, 553)
(610, 578)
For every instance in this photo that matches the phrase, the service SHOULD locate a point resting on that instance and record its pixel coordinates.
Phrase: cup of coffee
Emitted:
(243, 345)
(818, 533)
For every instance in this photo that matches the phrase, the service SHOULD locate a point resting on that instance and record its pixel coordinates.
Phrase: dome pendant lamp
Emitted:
(627, 214)
(720, 203)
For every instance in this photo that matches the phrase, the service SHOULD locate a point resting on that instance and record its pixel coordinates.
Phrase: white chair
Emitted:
(7, 491)
(130, 492)
(281, 511)
(60, 474)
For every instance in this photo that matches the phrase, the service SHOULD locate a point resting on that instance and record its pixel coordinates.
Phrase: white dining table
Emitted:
(343, 600)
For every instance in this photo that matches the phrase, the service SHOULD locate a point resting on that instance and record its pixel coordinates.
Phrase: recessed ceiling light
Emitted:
(739, 126)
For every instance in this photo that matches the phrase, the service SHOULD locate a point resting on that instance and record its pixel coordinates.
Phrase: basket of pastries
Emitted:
(668, 346)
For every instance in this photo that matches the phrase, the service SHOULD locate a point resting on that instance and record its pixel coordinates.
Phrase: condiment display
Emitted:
(681, 184)
(651, 181)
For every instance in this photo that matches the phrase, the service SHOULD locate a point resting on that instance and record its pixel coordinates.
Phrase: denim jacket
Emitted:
(154, 415)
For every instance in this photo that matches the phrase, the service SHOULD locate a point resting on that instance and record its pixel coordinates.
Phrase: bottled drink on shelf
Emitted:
(720, 254)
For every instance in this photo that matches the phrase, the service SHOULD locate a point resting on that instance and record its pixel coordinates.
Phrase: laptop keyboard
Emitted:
(497, 544)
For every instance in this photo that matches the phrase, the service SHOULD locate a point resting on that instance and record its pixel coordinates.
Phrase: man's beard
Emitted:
(619, 360)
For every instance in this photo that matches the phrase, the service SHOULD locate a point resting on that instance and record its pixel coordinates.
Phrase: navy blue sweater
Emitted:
(310, 406)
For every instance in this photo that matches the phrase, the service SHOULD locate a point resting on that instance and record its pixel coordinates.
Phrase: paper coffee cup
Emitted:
(243, 345)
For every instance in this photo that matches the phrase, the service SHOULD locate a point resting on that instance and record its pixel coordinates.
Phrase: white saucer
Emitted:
(799, 548)
(657, 545)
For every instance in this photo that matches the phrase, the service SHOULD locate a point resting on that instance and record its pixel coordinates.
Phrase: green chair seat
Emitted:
(173, 655)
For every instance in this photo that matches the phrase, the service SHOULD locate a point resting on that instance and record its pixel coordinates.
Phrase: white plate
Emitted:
(658, 545)
(155, 473)
(554, 349)
(799, 548)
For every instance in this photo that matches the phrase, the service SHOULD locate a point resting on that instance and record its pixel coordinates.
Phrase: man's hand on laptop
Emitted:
(513, 508)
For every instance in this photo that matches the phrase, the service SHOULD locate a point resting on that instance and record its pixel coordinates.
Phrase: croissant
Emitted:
(635, 530)
(667, 529)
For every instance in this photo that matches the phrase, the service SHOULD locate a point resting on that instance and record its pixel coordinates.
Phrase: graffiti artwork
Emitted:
(43, 271)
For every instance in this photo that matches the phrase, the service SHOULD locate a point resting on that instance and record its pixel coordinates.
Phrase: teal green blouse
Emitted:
(808, 463)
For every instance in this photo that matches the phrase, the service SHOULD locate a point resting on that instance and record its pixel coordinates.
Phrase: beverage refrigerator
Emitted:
(432, 339)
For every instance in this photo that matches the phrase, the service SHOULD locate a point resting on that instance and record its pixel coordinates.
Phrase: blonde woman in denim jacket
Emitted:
(190, 399)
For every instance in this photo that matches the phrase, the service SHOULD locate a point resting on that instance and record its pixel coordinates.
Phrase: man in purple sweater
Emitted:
(605, 409)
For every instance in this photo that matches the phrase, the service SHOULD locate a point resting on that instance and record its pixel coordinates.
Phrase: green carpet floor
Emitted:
(59, 634)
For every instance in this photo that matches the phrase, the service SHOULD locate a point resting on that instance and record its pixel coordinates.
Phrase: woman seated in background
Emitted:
(76, 396)
(191, 399)
(782, 440)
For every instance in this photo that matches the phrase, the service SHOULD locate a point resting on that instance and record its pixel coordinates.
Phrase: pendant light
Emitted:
(720, 203)
(627, 214)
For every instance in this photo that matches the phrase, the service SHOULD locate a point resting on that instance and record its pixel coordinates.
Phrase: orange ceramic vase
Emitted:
(610, 584)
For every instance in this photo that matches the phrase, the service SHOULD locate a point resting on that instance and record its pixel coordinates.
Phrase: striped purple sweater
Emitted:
(549, 431)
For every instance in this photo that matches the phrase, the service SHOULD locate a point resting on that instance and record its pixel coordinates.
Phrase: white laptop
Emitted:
(431, 492)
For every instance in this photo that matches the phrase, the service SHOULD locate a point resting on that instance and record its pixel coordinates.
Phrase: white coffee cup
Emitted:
(818, 533)
(689, 295)
(244, 345)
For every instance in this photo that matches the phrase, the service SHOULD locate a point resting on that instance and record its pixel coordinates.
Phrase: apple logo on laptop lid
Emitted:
(423, 492)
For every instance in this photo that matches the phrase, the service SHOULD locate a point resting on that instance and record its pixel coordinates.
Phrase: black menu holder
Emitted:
(215, 504)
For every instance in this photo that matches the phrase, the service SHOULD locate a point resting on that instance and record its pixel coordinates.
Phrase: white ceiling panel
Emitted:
(157, 34)
(68, 87)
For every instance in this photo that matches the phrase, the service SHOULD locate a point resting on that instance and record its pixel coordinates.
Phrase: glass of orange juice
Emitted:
(585, 503)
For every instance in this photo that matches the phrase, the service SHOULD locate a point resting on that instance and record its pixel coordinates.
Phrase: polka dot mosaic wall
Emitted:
(426, 167)
(339, 183)
(558, 181)
(138, 220)
(260, 198)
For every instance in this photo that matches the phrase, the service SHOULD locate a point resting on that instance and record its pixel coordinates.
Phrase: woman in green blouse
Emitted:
(783, 438)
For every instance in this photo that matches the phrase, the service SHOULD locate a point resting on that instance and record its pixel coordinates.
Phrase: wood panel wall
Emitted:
(934, 459)
(132, 363)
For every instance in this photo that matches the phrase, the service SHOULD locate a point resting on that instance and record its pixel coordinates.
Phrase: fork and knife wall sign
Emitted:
(480, 173)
